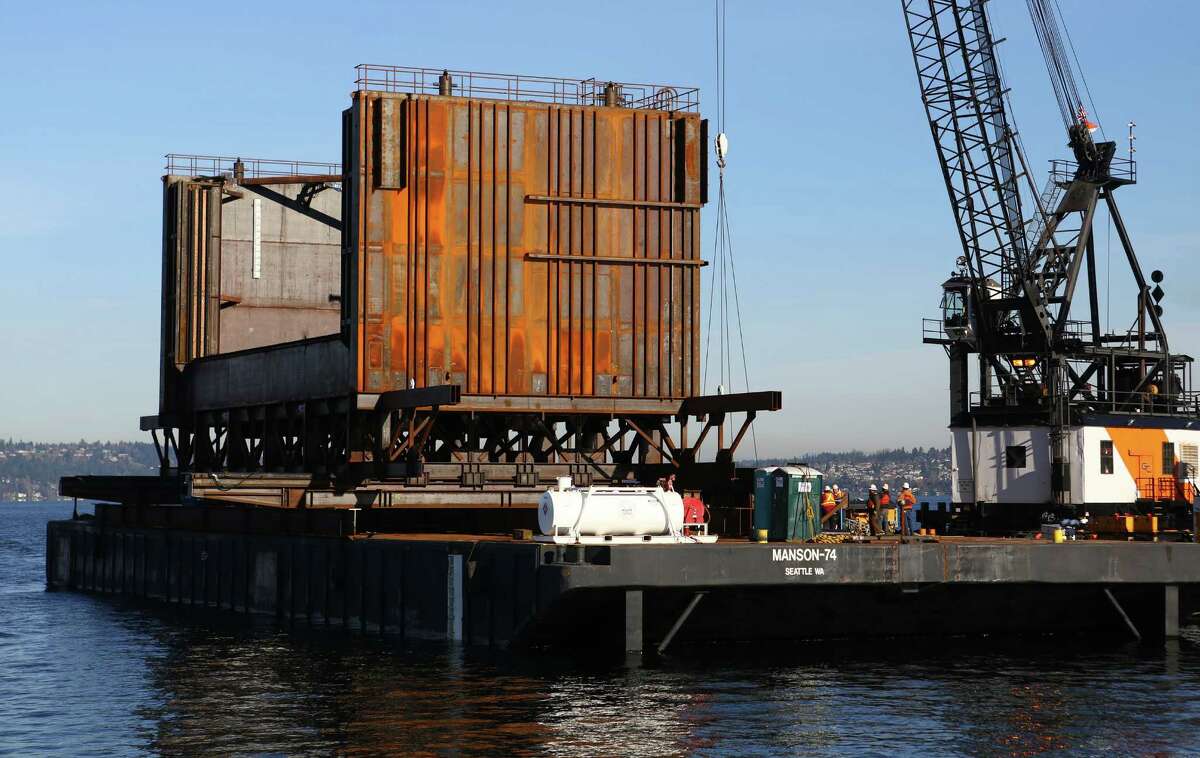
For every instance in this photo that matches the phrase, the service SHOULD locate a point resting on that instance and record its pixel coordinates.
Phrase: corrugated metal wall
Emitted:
(191, 275)
(191, 269)
(520, 248)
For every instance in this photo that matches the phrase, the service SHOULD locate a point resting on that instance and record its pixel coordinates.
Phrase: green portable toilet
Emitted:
(787, 502)
(762, 497)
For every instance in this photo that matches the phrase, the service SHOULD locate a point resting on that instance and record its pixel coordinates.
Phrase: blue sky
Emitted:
(840, 222)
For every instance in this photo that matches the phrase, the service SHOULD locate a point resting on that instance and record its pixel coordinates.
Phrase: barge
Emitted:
(498, 591)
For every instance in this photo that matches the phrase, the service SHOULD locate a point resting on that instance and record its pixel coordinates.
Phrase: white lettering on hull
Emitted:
(803, 555)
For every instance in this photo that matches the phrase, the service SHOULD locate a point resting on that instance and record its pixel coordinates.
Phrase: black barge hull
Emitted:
(500, 592)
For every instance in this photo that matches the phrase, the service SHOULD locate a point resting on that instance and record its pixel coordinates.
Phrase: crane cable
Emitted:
(1051, 30)
(1057, 65)
(1082, 76)
(723, 262)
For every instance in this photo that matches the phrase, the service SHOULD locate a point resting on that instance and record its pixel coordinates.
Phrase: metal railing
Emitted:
(1149, 403)
(1075, 329)
(253, 168)
(1121, 169)
(1095, 401)
(1159, 488)
(934, 330)
(543, 89)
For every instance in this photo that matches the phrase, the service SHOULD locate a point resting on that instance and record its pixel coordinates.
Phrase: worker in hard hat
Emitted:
(842, 498)
(828, 504)
(886, 510)
(873, 510)
(908, 524)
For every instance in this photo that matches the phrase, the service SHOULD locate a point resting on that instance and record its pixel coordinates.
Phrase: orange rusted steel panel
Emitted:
(523, 248)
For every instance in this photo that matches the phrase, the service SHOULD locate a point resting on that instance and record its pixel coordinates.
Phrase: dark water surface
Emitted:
(86, 674)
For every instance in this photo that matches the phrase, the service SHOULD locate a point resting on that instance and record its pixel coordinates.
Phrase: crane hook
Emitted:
(722, 146)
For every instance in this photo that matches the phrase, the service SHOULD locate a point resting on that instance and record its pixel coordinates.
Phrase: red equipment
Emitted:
(694, 511)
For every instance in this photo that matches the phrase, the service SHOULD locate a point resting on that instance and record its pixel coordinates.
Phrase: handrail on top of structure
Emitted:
(544, 89)
(1122, 170)
(1097, 401)
(253, 168)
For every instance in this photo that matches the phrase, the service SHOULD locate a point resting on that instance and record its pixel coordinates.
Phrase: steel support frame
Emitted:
(419, 438)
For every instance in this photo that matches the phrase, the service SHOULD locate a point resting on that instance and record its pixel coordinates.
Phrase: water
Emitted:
(92, 675)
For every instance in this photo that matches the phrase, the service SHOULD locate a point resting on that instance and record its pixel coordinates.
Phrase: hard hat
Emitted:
(871, 488)
(906, 485)
(885, 485)
(835, 486)
(827, 488)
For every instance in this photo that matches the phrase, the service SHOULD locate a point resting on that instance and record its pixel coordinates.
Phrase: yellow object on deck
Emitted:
(1125, 525)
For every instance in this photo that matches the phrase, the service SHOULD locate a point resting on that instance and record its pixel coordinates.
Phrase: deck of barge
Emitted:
(494, 590)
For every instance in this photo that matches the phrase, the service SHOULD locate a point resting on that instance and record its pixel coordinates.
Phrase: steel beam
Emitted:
(679, 622)
(634, 632)
(702, 405)
(1124, 616)
(1135, 267)
(419, 397)
(293, 204)
(293, 179)
(1171, 611)
(124, 489)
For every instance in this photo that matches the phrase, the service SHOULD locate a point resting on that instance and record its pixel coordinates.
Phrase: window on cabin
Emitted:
(1106, 456)
(1190, 456)
(1168, 458)
(1014, 456)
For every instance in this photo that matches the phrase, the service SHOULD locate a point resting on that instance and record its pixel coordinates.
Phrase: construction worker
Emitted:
(842, 498)
(907, 501)
(886, 510)
(873, 511)
(828, 504)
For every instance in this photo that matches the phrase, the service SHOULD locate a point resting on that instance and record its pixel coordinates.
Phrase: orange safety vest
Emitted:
(907, 499)
(827, 502)
(885, 500)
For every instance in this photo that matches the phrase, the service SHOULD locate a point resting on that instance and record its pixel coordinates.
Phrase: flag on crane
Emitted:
(1083, 119)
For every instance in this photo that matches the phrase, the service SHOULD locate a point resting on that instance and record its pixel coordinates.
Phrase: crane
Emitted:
(1028, 373)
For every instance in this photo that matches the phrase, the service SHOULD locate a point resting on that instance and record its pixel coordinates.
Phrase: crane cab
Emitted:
(958, 317)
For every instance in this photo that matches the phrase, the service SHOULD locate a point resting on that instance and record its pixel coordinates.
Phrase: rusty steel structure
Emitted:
(514, 295)
(523, 249)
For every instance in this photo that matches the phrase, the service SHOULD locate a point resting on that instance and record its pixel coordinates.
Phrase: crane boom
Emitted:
(963, 94)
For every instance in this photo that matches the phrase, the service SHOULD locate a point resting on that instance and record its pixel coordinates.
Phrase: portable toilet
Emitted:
(787, 502)
(763, 482)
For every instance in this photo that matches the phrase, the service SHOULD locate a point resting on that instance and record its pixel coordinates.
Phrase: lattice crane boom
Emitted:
(963, 95)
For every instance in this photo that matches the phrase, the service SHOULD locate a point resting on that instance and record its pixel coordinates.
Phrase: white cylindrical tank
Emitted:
(609, 511)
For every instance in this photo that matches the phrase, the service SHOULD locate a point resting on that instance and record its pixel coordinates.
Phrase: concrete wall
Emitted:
(299, 268)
